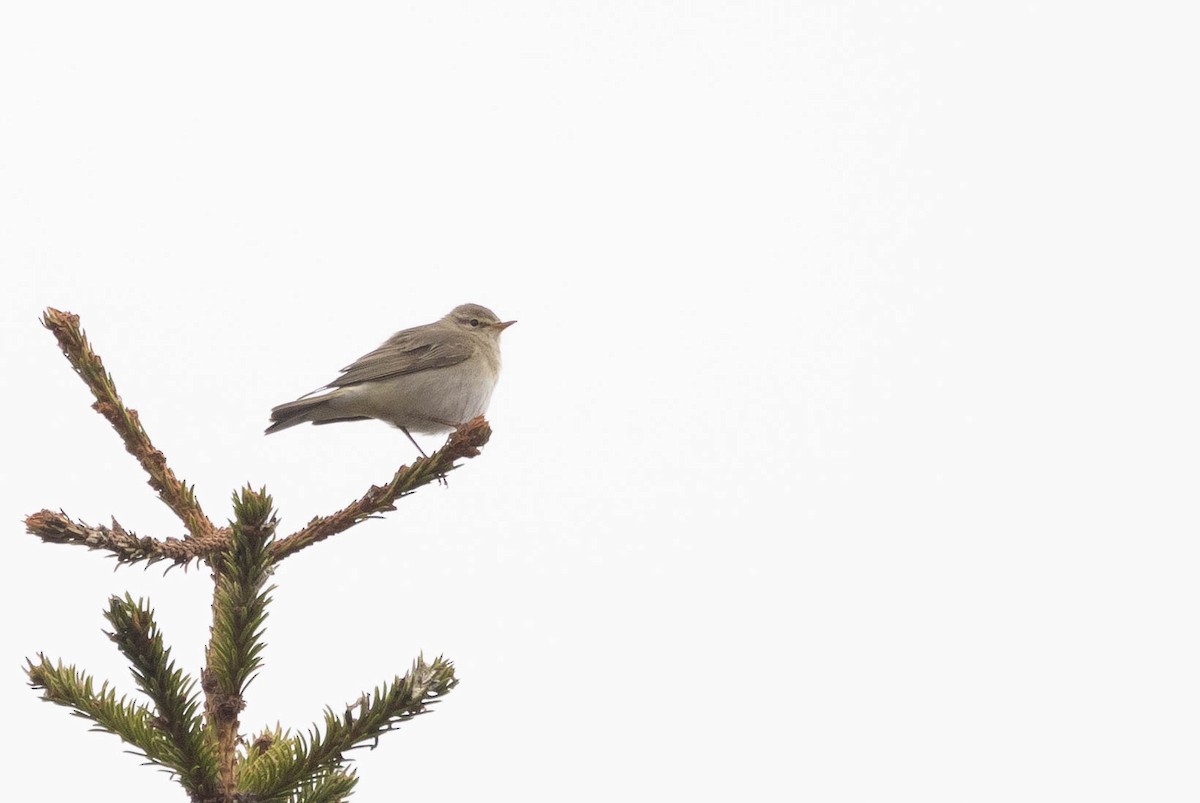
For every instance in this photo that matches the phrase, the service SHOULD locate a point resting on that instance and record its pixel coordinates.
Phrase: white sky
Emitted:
(845, 449)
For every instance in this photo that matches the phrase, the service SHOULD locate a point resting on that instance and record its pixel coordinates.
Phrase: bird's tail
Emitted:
(301, 411)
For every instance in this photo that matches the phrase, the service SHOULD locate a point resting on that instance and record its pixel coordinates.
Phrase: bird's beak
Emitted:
(503, 325)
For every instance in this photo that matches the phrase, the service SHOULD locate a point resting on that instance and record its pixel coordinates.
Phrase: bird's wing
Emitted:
(405, 353)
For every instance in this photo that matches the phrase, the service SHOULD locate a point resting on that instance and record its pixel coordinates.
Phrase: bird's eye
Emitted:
(474, 322)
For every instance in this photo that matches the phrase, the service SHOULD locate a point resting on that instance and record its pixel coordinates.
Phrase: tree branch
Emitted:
(464, 442)
(176, 706)
(240, 600)
(174, 493)
(134, 723)
(287, 762)
(125, 546)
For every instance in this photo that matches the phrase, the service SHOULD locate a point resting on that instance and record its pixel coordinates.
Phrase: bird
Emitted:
(428, 379)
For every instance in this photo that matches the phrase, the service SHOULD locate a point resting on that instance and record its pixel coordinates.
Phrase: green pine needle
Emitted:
(329, 787)
(176, 702)
(242, 596)
(135, 724)
(281, 769)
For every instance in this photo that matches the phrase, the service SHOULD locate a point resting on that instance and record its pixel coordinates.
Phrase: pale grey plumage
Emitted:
(427, 379)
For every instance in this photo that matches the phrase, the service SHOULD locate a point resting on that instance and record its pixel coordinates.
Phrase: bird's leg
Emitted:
(413, 441)
(440, 477)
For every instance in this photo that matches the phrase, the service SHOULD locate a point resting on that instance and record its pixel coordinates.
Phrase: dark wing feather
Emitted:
(406, 353)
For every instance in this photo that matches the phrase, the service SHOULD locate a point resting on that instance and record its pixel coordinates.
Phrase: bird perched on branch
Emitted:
(428, 379)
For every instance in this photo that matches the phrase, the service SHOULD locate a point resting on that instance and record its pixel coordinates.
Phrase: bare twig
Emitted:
(126, 546)
(174, 493)
(463, 442)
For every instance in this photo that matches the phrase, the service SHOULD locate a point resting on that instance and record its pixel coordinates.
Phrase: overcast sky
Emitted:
(845, 449)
